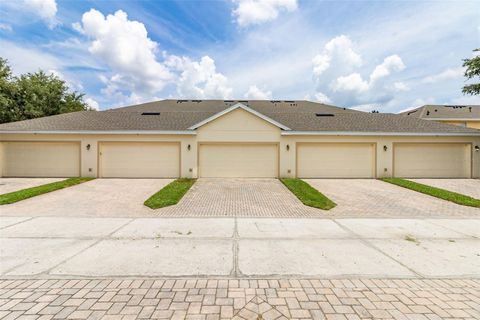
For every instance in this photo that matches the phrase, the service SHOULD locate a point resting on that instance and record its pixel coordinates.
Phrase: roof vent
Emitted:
(275, 101)
(228, 101)
(150, 113)
(243, 101)
(289, 101)
(197, 101)
(428, 113)
(182, 101)
(324, 114)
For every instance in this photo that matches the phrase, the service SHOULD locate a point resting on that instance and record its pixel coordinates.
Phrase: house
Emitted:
(227, 138)
(465, 116)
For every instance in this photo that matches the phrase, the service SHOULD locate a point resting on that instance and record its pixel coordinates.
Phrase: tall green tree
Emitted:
(472, 72)
(35, 95)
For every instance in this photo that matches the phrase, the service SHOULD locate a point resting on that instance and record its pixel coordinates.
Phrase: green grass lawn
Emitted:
(435, 192)
(20, 195)
(307, 194)
(170, 194)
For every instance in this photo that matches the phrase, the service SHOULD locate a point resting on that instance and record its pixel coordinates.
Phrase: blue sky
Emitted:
(384, 55)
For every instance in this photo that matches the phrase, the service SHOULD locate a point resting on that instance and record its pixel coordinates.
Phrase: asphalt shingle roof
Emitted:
(179, 116)
(445, 112)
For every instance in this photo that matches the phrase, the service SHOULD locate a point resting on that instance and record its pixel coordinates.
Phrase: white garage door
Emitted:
(435, 160)
(41, 159)
(335, 160)
(139, 160)
(238, 160)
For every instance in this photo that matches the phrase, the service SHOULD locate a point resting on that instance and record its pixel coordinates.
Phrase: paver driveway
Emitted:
(374, 198)
(100, 197)
(469, 187)
(240, 198)
(14, 184)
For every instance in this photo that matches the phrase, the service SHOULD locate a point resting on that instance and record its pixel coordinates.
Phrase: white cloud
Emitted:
(355, 83)
(125, 47)
(400, 86)
(255, 93)
(249, 12)
(336, 76)
(421, 102)
(137, 73)
(390, 64)
(352, 82)
(466, 100)
(447, 74)
(5, 27)
(92, 103)
(323, 98)
(365, 107)
(27, 59)
(199, 79)
(339, 51)
(72, 84)
(45, 9)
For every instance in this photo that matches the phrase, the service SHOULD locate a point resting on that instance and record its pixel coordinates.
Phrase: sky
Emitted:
(368, 55)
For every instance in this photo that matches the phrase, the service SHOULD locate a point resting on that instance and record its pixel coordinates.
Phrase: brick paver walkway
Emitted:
(240, 299)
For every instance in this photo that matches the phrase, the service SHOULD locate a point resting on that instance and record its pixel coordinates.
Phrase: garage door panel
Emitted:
(336, 160)
(436, 160)
(238, 160)
(139, 160)
(41, 159)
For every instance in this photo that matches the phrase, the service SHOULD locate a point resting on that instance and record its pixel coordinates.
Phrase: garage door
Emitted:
(436, 160)
(41, 159)
(139, 160)
(336, 160)
(238, 160)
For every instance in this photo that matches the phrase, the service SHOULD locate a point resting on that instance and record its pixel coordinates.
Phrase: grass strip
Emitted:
(23, 194)
(170, 194)
(307, 194)
(457, 198)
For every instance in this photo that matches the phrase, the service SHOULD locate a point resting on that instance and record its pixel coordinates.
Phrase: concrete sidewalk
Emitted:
(235, 247)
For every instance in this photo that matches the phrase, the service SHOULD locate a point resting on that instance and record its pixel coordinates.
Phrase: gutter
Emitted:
(283, 133)
(356, 133)
(137, 132)
(452, 119)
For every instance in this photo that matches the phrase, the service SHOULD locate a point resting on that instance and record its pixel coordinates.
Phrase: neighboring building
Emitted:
(217, 138)
(465, 116)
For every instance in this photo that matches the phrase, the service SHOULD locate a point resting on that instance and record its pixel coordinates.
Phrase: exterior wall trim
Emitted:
(239, 106)
(353, 133)
(452, 119)
(136, 132)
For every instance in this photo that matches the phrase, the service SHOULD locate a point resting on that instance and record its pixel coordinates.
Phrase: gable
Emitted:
(238, 125)
(235, 107)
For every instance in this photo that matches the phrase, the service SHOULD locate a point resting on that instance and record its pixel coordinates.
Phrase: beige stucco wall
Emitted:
(241, 126)
(89, 158)
(384, 159)
(473, 124)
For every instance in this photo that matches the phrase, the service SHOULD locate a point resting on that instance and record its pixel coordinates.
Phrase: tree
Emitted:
(35, 95)
(472, 72)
